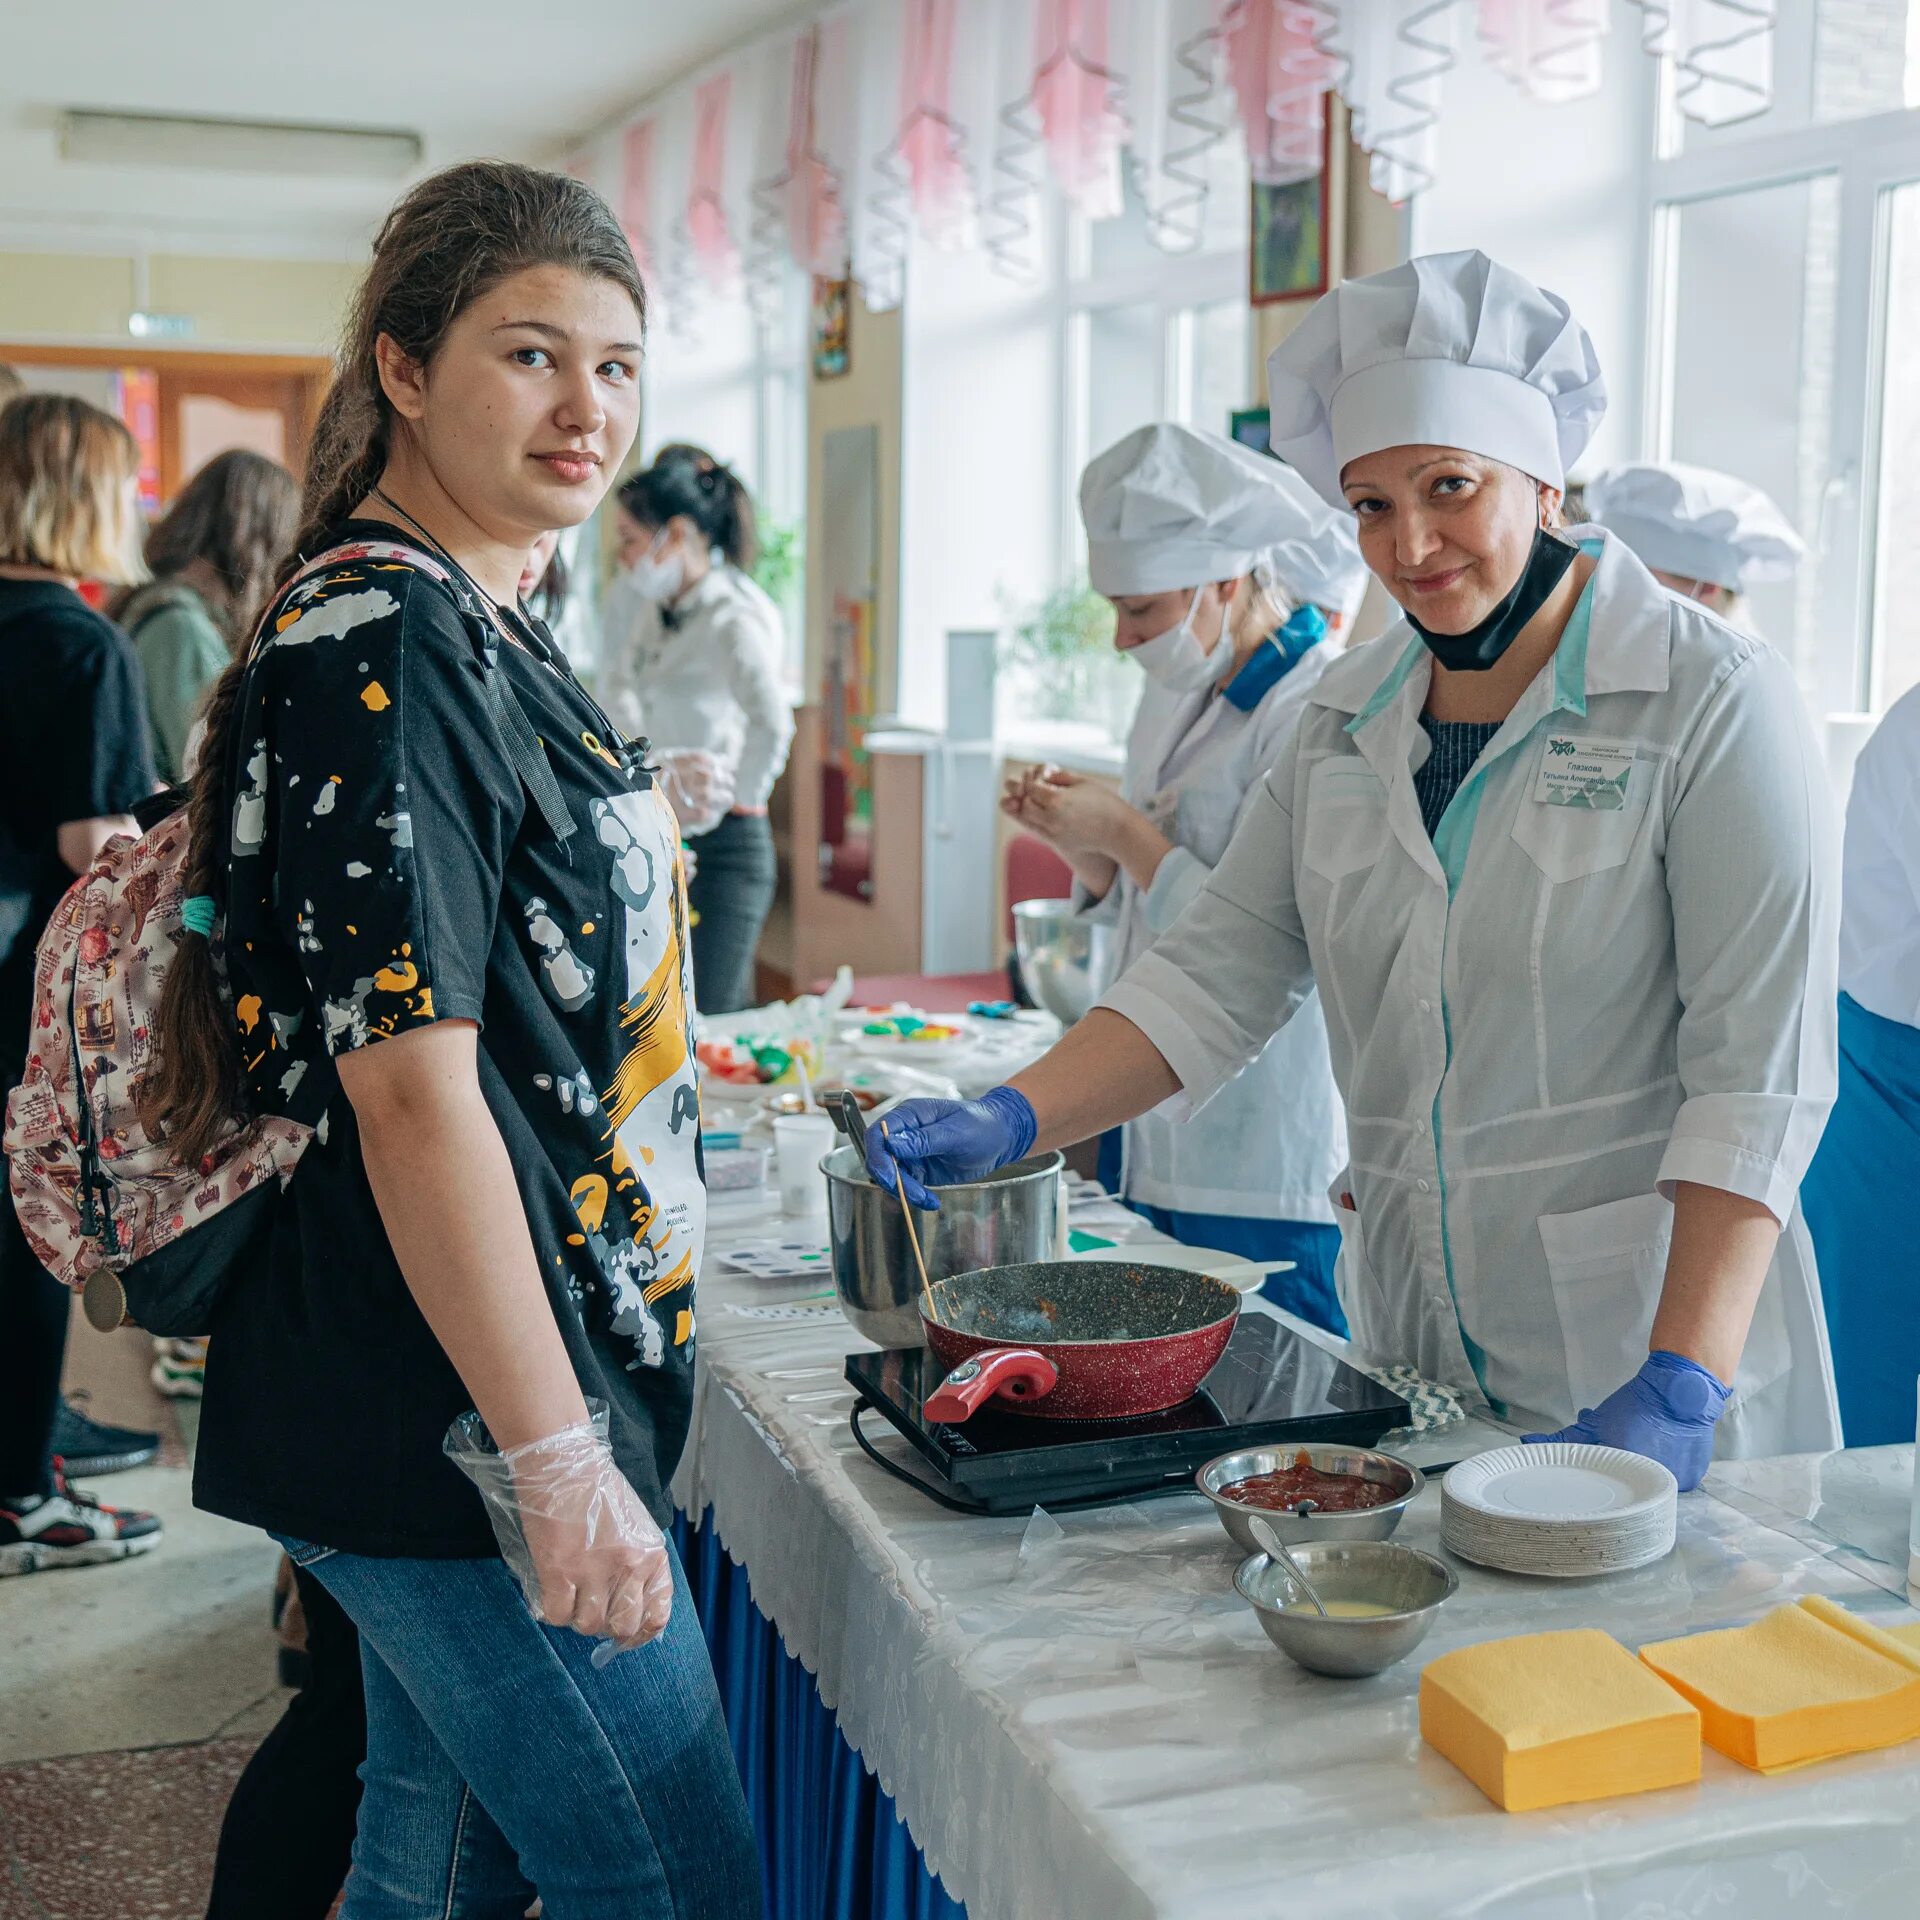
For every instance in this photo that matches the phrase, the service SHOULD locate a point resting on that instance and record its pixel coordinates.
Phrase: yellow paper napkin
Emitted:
(1551, 1718)
(1804, 1683)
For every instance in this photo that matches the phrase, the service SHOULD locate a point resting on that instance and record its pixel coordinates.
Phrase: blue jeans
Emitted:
(501, 1764)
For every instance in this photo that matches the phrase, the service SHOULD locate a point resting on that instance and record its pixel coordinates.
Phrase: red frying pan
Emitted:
(1073, 1339)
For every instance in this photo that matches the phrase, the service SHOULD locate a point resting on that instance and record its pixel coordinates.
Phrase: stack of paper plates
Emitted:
(1559, 1509)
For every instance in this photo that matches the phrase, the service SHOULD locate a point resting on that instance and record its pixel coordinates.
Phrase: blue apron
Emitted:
(1312, 1245)
(1857, 1199)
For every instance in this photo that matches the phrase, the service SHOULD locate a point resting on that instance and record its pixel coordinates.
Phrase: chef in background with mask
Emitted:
(1702, 534)
(1230, 581)
(692, 661)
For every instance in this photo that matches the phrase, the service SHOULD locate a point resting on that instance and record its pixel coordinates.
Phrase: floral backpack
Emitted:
(106, 1208)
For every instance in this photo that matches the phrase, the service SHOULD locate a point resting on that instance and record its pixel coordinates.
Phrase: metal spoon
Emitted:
(1276, 1548)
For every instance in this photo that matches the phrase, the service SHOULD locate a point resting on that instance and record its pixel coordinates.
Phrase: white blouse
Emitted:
(704, 673)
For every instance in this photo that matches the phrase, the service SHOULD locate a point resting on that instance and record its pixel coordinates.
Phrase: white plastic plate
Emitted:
(1562, 1481)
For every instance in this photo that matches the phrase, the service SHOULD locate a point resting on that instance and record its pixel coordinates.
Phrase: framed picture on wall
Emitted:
(1287, 250)
(831, 348)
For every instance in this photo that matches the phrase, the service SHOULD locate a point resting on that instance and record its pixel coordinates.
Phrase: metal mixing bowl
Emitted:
(1014, 1215)
(1414, 1584)
(1066, 960)
(1301, 1529)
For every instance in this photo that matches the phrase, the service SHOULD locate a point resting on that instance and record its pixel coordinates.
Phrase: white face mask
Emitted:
(656, 579)
(1179, 659)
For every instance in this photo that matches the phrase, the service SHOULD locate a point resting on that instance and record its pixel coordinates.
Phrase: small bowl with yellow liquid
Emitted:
(1380, 1597)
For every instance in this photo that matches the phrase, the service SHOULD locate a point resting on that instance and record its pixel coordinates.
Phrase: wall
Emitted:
(812, 931)
(1560, 194)
(867, 394)
(83, 299)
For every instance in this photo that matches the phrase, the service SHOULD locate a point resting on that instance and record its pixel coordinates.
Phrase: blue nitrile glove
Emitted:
(941, 1142)
(1667, 1411)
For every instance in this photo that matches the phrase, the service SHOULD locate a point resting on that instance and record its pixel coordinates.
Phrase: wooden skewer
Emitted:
(913, 1235)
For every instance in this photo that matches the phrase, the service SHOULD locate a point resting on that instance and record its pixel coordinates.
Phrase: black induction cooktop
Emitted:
(1270, 1387)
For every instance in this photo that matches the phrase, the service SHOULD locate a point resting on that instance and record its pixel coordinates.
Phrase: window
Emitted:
(734, 382)
(1151, 335)
(1145, 335)
(1787, 293)
(1833, 61)
(1762, 412)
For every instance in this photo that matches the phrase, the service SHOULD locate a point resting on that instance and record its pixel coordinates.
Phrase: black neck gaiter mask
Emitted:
(1483, 643)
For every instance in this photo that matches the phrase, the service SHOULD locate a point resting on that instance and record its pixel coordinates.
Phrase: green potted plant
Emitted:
(1062, 652)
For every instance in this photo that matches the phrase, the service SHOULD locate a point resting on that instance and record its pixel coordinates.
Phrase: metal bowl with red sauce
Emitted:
(1357, 1494)
(1287, 1489)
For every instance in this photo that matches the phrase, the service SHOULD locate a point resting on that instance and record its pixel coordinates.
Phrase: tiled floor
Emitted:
(131, 1695)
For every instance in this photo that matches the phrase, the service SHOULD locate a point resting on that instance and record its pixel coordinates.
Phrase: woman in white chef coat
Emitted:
(1226, 573)
(1557, 851)
(692, 660)
(1706, 535)
(1859, 1191)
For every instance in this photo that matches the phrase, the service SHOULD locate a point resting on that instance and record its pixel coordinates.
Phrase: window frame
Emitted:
(1869, 158)
(1175, 288)
(774, 377)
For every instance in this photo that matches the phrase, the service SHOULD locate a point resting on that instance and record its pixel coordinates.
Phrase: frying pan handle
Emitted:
(1018, 1373)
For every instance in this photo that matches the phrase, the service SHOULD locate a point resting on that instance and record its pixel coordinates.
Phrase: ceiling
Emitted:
(472, 77)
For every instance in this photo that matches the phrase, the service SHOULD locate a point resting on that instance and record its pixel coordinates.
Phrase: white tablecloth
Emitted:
(1077, 1717)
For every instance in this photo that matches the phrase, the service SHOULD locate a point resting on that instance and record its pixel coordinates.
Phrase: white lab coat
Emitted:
(1267, 1148)
(711, 680)
(1880, 885)
(1598, 1004)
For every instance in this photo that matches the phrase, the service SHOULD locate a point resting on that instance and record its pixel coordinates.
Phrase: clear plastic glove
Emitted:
(941, 1142)
(572, 1530)
(699, 787)
(1667, 1411)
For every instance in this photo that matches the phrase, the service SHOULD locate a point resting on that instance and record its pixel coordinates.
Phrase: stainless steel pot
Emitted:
(1015, 1215)
(1066, 961)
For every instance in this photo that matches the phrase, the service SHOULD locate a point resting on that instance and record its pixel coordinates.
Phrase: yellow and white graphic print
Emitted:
(647, 1215)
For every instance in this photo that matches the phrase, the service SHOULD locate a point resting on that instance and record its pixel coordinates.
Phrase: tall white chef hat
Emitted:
(1171, 506)
(1448, 350)
(1698, 523)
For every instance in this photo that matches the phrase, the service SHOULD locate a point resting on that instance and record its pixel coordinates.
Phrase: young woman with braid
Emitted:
(432, 947)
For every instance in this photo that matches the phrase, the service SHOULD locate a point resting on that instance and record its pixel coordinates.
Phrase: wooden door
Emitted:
(186, 406)
(204, 413)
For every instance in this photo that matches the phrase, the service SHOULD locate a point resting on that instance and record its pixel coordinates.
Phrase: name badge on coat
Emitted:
(1577, 770)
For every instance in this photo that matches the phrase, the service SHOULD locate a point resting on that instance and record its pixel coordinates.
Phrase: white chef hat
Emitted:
(1697, 523)
(1171, 506)
(1448, 350)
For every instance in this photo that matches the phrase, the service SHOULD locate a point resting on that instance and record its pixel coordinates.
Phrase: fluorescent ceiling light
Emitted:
(235, 146)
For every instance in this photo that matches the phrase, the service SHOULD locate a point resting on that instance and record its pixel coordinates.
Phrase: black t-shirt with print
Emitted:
(388, 868)
(73, 746)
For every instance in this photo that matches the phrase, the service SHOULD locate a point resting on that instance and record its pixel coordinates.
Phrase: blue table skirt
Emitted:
(832, 1847)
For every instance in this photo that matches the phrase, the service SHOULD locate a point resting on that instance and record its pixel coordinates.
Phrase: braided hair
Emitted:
(445, 244)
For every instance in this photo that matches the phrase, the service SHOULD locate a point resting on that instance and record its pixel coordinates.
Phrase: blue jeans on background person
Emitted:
(730, 896)
(500, 1763)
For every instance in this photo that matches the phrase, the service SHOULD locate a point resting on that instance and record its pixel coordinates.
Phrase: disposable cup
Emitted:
(800, 1142)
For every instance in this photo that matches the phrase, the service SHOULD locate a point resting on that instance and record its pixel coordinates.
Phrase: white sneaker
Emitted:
(69, 1529)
